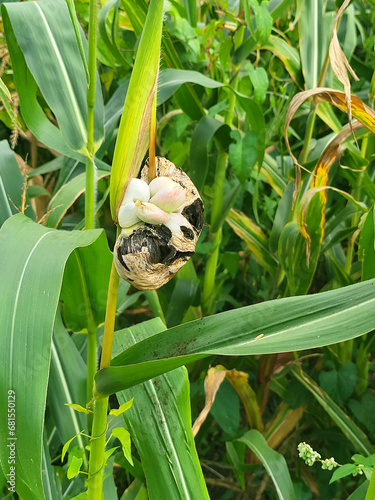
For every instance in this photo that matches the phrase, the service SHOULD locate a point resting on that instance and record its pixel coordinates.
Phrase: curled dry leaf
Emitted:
(360, 111)
(240, 382)
(340, 64)
(149, 254)
(212, 382)
(319, 185)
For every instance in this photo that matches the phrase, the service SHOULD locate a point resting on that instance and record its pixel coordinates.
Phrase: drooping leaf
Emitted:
(55, 63)
(290, 324)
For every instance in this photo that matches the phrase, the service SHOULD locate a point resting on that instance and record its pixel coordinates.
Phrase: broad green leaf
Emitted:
(110, 44)
(191, 11)
(162, 406)
(133, 135)
(32, 112)
(124, 437)
(243, 154)
(367, 246)
(32, 265)
(183, 296)
(11, 185)
(74, 467)
(284, 325)
(66, 196)
(55, 62)
(204, 132)
(355, 435)
(171, 79)
(259, 79)
(273, 462)
(85, 286)
(343, 471)
(67, 384)
(315, 28)
(263, 20)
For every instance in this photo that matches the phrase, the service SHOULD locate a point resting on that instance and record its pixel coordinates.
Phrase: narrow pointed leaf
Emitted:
(357, 437)
(273, 462)
(132, 139)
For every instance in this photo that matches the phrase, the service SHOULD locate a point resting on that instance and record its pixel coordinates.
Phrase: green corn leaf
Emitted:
(66, 196)
(32, 265)
(55, 63)
(167, 449)
(290, 324)
(67, 384)
(274, 463)
(84, 288)
(346, 424)
(133, 135)
(367, 246)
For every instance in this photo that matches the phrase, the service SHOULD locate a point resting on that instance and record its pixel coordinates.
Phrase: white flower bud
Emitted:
(150, 213)
(127, 216)
(137, 190)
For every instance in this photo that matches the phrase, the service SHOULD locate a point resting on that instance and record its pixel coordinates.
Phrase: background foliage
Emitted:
(229, 71)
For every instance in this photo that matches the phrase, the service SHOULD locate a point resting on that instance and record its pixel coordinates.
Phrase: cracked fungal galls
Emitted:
(161, 222)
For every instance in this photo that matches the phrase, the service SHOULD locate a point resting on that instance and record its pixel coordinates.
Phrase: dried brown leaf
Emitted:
(340, 64)
(212, 382)
(360, 110)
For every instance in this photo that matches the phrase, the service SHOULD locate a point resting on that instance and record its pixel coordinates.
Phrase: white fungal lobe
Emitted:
(148, 212)
(161, 221)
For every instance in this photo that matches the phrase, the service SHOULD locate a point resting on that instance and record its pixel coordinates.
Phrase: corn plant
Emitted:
(86, 391)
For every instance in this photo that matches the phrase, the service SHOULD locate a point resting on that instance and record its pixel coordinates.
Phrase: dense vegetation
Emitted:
(288, 189)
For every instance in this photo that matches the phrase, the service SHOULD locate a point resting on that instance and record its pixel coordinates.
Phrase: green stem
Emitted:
(90, 166)
(97, 448)
(90, 190)
(91, 369)
(308, 135)
(217, 206)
